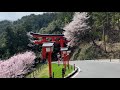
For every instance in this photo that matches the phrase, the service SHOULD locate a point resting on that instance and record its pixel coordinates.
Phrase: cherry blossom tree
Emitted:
(17, 65)
(76, 28)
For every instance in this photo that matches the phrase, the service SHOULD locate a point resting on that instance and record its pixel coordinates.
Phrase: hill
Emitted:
(92, 34)
(13, 35)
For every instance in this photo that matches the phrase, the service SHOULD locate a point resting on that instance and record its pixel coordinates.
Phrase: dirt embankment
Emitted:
(90, 51)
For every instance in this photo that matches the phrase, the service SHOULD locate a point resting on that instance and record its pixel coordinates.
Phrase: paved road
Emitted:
(97, 69)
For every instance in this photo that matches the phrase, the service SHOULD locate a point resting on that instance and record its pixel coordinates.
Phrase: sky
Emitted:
(15, 15)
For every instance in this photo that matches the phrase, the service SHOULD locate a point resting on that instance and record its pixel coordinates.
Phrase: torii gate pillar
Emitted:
(44, 49)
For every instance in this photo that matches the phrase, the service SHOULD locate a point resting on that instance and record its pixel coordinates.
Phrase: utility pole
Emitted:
(104, 37)
(105, 31)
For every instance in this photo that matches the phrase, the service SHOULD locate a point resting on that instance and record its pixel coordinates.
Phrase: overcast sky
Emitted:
(15, 15)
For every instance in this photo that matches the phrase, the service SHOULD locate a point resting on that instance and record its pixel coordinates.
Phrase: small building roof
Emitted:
(64, 48)
(47, 44)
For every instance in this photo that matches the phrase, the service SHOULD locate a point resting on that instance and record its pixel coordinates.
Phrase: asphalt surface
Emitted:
(97, 69)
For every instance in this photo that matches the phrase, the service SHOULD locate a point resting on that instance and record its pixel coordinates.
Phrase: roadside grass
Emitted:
(44, 71)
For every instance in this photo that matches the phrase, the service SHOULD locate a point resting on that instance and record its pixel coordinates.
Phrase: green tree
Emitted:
(10, 40)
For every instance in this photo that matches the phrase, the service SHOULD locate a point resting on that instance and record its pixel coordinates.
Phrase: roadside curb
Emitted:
(73, 73)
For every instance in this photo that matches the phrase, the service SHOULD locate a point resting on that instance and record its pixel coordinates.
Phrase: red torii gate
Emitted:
(44, 39)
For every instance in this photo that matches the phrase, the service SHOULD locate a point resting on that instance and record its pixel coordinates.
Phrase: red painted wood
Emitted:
(62, 41)
(43, 53)
(50, 66)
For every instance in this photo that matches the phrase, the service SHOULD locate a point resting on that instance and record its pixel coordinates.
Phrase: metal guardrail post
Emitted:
(110, 59)
(63, 72)
(74, 66)
(53, 74)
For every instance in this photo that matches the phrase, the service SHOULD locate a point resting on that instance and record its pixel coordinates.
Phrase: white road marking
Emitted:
(76, 73)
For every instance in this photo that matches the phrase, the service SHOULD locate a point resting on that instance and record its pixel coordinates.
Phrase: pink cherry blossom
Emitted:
(16, 65)
(76, 27)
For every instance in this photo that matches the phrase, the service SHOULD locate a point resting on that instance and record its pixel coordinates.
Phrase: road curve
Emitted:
(97, 69)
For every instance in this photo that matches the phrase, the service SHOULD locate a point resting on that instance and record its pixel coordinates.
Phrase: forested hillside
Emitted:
(92, 34)
(13, 35)
(95, 35)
